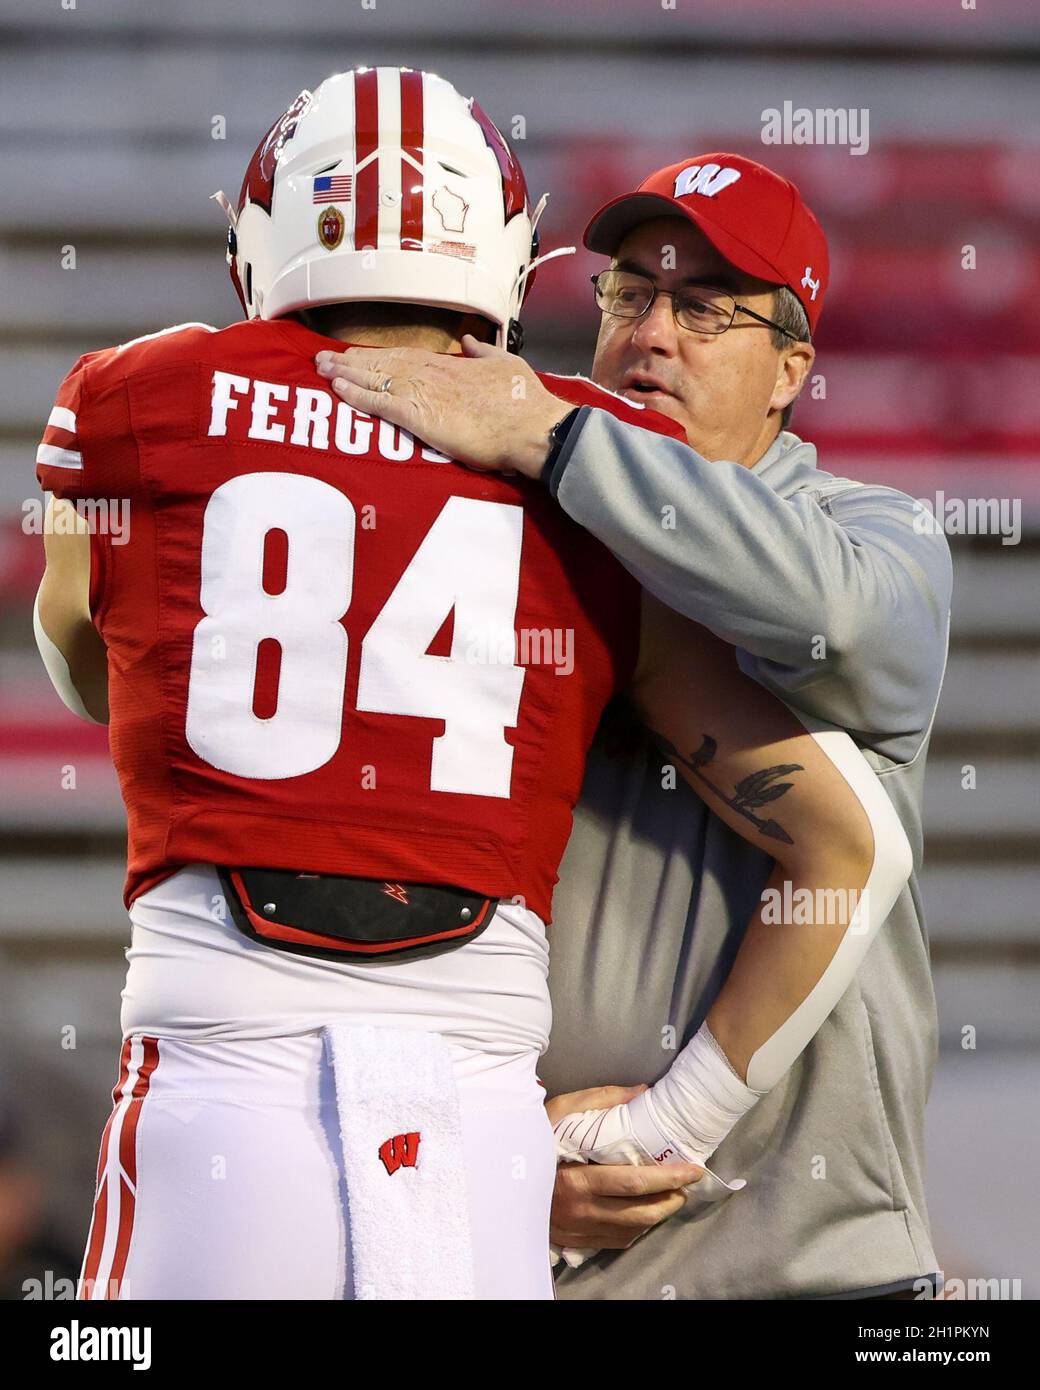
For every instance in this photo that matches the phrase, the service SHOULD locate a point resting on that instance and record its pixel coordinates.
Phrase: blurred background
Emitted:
(121, 117)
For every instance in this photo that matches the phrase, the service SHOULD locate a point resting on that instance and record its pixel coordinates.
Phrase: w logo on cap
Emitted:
(400, 1152)
(708, 179)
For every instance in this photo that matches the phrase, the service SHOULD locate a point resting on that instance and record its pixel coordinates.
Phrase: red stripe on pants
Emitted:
(96, 1239)
(124, 1174)
(128, 1160)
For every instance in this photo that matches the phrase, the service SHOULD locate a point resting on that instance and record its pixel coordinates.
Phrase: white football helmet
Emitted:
(384, 184)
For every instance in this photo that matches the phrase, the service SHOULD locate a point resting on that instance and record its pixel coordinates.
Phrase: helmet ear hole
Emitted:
(515, 336)
(249, 283)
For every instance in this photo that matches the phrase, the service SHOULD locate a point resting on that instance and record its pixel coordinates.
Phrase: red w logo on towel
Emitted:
(400, 1152)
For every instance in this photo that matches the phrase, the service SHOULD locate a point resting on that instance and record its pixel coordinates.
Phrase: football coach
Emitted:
(835, 603)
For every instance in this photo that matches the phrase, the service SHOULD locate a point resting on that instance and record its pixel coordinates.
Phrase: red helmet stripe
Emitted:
(514, 185)
(258, 183)
(411, 143)
(366, 138)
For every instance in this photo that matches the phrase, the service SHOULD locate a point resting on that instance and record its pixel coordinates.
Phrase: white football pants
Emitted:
(221, 1173)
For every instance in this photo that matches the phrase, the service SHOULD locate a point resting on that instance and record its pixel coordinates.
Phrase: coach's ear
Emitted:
(792, 372)
(596, 1098)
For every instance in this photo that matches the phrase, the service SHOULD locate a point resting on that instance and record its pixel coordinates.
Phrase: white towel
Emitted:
(408, 1210)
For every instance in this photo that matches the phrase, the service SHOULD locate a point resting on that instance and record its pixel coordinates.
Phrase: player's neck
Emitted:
(395, 325)
(380, 335)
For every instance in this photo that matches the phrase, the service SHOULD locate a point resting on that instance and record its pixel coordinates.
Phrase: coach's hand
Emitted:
(606, 1206)
(487, 409)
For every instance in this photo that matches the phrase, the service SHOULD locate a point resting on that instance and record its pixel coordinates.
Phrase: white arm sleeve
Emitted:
(58, 669)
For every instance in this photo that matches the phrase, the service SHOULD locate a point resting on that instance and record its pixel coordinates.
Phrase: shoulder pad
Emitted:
(579, 390)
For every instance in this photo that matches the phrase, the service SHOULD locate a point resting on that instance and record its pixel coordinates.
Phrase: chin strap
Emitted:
(538, 212)
(222, 200)
(532, 266)
(514, 333)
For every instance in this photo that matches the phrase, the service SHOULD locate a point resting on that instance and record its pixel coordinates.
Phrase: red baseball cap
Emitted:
(753, 217)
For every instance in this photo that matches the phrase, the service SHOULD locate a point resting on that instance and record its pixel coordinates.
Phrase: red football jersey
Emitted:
(331, 648)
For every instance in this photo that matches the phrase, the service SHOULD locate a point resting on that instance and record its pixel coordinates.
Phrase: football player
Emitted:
(350, 686)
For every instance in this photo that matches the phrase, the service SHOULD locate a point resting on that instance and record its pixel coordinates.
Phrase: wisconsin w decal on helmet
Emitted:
(384, 184)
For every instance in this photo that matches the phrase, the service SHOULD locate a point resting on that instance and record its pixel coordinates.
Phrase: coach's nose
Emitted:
(657, 330)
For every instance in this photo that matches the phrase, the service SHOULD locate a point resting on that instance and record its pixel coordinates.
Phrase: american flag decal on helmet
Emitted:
(332, 188)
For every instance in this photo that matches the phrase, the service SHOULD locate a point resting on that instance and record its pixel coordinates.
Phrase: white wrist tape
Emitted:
(58, 669)
(609, 1136)
(685, 1116)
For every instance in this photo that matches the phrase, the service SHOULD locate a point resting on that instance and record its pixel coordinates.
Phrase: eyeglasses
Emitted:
(698, 308)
